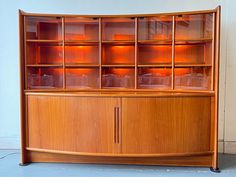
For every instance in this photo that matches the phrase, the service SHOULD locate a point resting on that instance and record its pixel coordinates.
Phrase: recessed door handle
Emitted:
(116, 125)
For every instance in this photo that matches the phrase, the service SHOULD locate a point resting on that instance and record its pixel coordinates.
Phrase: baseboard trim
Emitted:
(230, 147)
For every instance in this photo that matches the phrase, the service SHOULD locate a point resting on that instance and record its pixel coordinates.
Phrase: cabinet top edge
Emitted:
(21, 12)
(121, 94)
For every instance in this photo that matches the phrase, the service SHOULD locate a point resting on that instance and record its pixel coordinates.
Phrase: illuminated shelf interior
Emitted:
(162, 52)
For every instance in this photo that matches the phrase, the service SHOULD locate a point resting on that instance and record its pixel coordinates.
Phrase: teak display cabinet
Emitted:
(122, 89)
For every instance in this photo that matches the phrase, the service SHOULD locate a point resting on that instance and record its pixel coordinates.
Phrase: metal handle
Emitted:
(116, 125)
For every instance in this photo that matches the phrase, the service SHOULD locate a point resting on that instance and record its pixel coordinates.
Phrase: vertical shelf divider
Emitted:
(136, 53)
(213, 53)
(100, 52)
(25, 56)
(173, 53)
(63, 52)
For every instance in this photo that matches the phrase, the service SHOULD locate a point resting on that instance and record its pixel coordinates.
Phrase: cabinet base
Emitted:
(199, 160)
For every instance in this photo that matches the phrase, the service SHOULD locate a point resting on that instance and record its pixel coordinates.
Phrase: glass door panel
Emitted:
(118, 77)
(82, 78)
(40, 77)
(154, 78)
(193, 78)
(155, 28)
(81, 29)
(44, 28)
(39, 53)
(194, 27)
(118, 29)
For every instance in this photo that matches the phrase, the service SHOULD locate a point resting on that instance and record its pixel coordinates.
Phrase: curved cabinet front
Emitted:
(120, 126)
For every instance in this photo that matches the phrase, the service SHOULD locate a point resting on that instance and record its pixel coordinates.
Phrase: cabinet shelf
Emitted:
(119, 65)
(156, 65)
(193, 41)
(44, 41)
(192, 65)
(156, 42)
(81, 65)
(80, 42)
(119, 42)
(43, 65)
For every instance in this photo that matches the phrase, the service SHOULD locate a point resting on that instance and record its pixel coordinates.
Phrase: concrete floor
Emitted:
(9, 168)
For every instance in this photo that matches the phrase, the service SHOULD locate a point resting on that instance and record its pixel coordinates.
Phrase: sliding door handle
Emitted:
(116, 125)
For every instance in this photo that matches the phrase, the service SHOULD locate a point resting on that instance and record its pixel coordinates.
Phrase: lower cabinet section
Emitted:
(120, 127)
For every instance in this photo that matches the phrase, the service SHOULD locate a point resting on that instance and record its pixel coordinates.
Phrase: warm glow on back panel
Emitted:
(81, 54)
(149, 54)
(118, 55)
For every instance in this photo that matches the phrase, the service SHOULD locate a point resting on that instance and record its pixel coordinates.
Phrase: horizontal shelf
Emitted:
(80, 42)
(84, 65)
(157, 42)
(119, 42)
(120, 65)
(155, 65)
(116, 92)
(44, 65)
(193, 41)
(192, 65)
(44, 41)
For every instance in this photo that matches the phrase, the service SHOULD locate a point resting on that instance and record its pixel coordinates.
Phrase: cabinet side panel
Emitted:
(77, 124)
(166, 125)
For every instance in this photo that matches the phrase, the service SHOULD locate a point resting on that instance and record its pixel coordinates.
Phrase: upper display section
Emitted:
(172, 52)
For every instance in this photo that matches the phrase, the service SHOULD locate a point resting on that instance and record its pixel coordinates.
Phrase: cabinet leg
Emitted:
(23, 164)
(215, 170)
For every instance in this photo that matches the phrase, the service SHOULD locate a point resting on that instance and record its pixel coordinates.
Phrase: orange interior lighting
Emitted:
(121, 71)
(182, 71)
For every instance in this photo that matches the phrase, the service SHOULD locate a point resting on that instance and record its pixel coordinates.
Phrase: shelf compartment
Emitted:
(118, 54)
(192, 78)
(38, 53)
(154, 54)
(44, 78)
(154, 78)
(155, 28)
(44, 28)
(82, 54)
(81, 29)
(121, 78)
(193, 54)
(118, 29)
(82, 78)
(194, 26)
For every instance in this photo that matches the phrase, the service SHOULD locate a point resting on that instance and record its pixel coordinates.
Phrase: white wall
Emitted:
(9, 77)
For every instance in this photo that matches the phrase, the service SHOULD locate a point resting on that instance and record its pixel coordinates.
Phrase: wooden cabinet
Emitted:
(120, 89)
